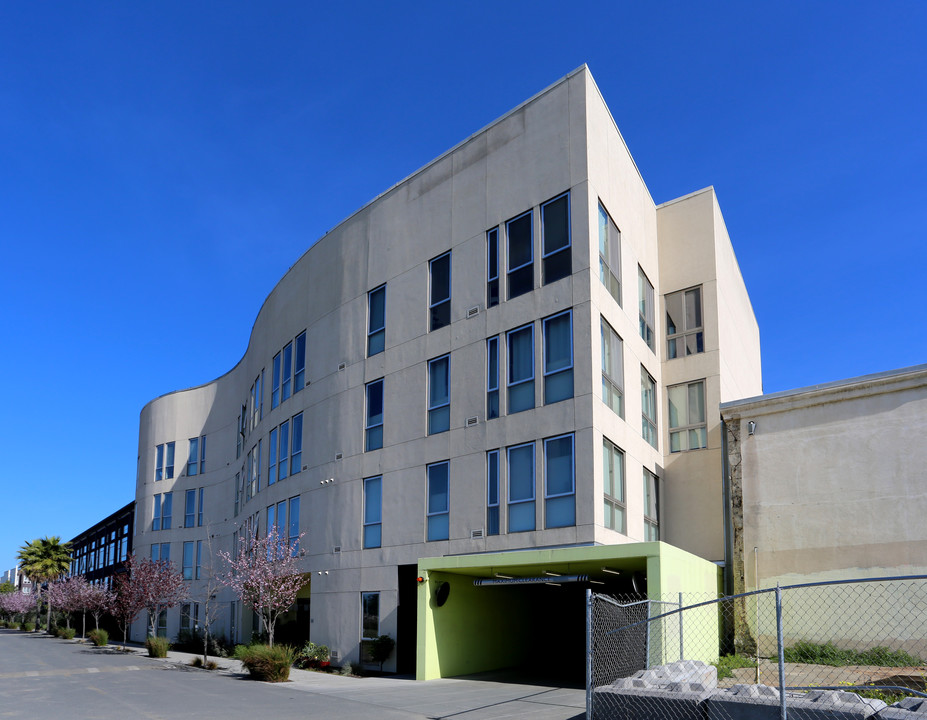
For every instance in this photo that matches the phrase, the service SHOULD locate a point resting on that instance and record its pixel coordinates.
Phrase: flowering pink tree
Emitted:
(97, 600)
(265, 575)
(15, 603)
(65, 595)
(147, 585)
(126, 603)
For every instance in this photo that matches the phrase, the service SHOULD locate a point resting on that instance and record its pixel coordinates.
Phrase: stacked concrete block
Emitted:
(912, 708)
(761, 702)
(677, 691)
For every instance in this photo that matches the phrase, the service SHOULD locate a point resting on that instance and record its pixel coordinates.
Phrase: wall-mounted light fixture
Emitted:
(751, 427)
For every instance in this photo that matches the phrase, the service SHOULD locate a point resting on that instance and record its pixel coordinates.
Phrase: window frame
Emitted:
(286, 373)
(614, 391)
(275, 381)
(368, 523)
(372, 439)
(548, 496)
(159, 462)
(682, 335)
(376, 334)
(686, 429)
(510, 356)
(369, 597)
(509, 270)
(296, 444)
(435, 535)
(493, 408)
(283, 451)
(649, 423)
(436, 410)
(544, 355)
(187, 559)
(189, 508)
(532, 499)
(299, 363)
(566, 249)
(436, 323)
(273, 443)
(611, 501)
(612, 254)
(167, 510)
(169, 452)
(492, 258)
(493, 507)
(651, 502)
(645, 308)
(193, 457)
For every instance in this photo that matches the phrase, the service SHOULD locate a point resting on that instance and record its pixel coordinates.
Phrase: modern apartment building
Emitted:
(506, 369)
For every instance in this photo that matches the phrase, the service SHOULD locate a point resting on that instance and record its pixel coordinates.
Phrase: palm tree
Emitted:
(44, 560)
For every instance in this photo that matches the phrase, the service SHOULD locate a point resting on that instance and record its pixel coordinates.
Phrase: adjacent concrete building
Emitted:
(502, 367)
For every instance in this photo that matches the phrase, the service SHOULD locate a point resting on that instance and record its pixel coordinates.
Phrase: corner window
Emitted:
(373, 437)
(558, 357)
(613, 486)
(648, 408)
(439, 395)
(492, 268)
(556, 251)
(376, 321)
(609, 255)
(651, 506)
(521, 487)
(612, 369)
(684, 334)
(492, 492)
(687, 416)
(370, 615)
(439, 308)
(645, 307)
(373, 508)
(492, 378)
(520, 273)
(299, 374)
(438, 502)
(559, 482)
(520, 369)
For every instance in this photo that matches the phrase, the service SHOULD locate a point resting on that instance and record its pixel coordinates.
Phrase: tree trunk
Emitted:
(83, 630)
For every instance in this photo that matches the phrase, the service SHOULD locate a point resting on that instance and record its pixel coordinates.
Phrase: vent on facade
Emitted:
(474, 534)
(342, 366)
(339, 456)
(472, 421)
(336, 549)
(305, 467)
(474, 311)
(334, 655)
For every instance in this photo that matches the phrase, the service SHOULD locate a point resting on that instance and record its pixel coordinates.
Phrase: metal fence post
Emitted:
(781, 650)
(681, 654)
(647, 643)
(588, 654)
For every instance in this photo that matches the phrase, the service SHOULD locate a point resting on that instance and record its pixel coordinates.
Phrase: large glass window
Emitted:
(287, 372)
(648, 408)
(612, 369)
(296, 444)
(169, 461)
(556, 252)
(299, 374)
(559, 482)
(373, 510)
(651, 506)
(687, 416)
(520, 274)
(167, 504)
(521, 487)
(373, 439)
(520, 369)
(156, 513)
(189, 508)
(439, 395)
(645, 307)
(684, 335)
(283, 455)
(188, 560)
(159, 462)
(438, 502)
(492, 378)
(492, 492)
(193, 459)
(376, 321)
(440, 302)
(613, 486)
(558, 357)
(492, 267)
(609, 254)
(370, 615)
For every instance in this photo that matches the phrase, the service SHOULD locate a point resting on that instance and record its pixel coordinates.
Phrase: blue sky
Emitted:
(163, 164)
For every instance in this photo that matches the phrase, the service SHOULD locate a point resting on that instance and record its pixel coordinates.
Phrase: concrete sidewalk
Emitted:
(465, 698)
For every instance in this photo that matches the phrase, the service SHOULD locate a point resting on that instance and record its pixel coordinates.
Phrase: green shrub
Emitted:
(830, 654)
(196, 662)
(157, 647)
(347, 669)
(313, 655)
(98, 637)
(66, 633)
(381, 648)
(271, 664)
(727, 663)
(26, 626)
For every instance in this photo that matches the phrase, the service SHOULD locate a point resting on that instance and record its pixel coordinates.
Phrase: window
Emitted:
(648, 408)
(373, 511)
(492, 492)
(439, 395)
(255, 402)
(645, 307)
(275, 387)
(199, 557)
(440, 305)
(162, 624)
(156, 513)
(199, 511)
(521, 487)
(556, 252)
(272, 457)
(492, 268)
(286, 373)
(284, 450)
(167, 504)
(376, 321)
(299, 371)
(687, 416)
(651, 506)
(292, 526)
(373, 439)
(296, 444)
(237, 492)
(438, 502)
(609, 254)
(370, 615)
(189, 617)
(612, 369)
(159, 462)
(272, 525)
(169, 461)
(492, 378)
(196, 462)
(613, 486)
(520, 275)
(684, 334)
(189, 508)
(559, 482)
(239, 437)
(160, 552)
(521, 369)
(188, 560)
(558, 357)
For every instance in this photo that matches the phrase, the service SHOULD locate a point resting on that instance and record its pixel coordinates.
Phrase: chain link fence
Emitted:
(839, 650)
